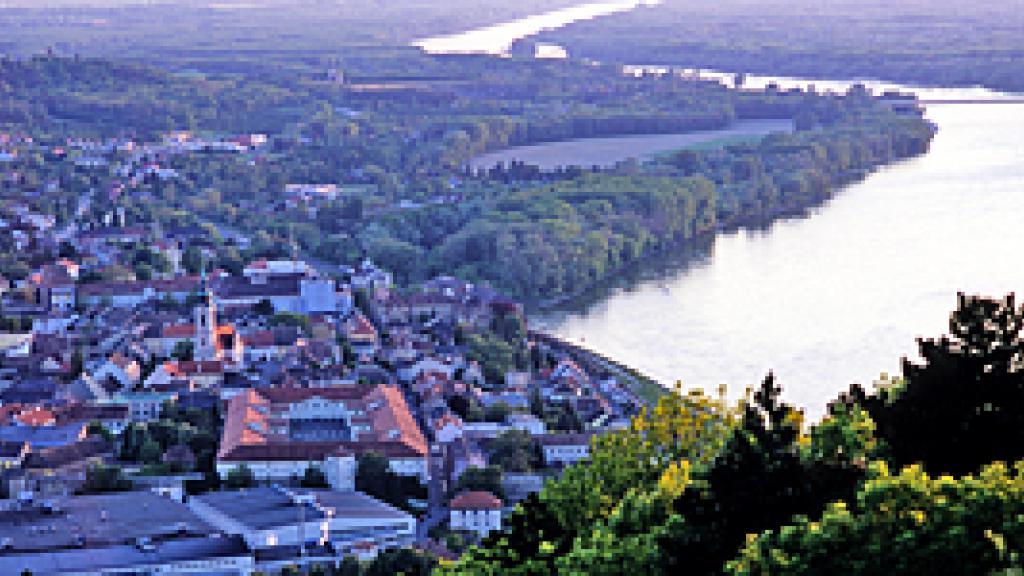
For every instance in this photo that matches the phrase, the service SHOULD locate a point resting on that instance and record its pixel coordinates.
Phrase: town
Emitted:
(160, 413)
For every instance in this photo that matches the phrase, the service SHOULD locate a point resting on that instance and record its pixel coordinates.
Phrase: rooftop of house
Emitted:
(237, 287)
(181, 284)
(56, 457)
(565, 439)
(476, 500)
(43, 436)
(36, 416)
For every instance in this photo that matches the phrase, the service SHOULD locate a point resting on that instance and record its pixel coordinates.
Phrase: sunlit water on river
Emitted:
(498, 39)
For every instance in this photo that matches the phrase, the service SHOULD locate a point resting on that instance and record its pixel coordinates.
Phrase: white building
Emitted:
(478, 512)
(527, 423)
(564, 449)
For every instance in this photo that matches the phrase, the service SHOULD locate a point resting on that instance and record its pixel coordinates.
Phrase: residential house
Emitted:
(477, 511)
(560, 450)
(361, 335)
(126, 372)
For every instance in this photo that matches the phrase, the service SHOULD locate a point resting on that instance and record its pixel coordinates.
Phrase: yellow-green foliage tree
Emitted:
(909, 523)
(632, 474)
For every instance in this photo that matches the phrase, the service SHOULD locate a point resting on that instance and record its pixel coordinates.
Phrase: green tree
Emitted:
(349, 566)
(653, 455)
(300, 321)
(903, 524)
(264, 307)
(98, 429)
(192, 259)
(486, 479)
(467, 408)
(515, 451)
(150, 452)
(758, 481)
(100, 479)
(497, 412)
(240, 477)
(374, 477)
(184, 350)
(406, 561)
(314, 478)
(495, 356)
(959, 409)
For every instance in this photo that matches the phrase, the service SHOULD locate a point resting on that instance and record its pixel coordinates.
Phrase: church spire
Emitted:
(205, 319)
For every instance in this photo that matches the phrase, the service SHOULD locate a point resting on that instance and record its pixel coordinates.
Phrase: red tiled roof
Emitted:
(248, 435)
(447, 418)
(190, 367)
(362, 327)
(120, 360)
(36, 417)
(478, 500)
(259, 339)
(179, 331)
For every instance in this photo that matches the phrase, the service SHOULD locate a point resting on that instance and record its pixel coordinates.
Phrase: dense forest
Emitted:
(924, 475)
(399, 149)
(235, 32)
(926, 42)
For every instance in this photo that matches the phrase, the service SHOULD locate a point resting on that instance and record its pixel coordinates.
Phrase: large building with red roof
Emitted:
(280, 432)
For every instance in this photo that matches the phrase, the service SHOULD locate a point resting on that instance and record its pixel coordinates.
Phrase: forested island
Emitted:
(912, 42)
(391, 138)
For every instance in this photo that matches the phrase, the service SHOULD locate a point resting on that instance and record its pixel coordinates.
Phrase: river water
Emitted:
(838, 296)
(498, 39)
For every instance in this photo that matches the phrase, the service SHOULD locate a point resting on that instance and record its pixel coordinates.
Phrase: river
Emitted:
(838, 296)
(499, 38)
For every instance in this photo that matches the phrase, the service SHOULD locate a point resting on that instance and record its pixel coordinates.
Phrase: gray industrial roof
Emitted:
(263, 508)
(89, 559)
(101, 520)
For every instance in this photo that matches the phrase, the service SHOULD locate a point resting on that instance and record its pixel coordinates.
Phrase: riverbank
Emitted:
(644, 387)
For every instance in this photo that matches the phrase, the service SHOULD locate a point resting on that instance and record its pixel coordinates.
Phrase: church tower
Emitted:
(205, 321)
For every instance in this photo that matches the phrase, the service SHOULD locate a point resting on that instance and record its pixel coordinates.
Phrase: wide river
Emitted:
(841, 295)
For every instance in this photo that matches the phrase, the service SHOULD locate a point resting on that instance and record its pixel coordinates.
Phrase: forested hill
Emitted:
(925, 475)
(396, 140)
(929, 42)
(198, 32)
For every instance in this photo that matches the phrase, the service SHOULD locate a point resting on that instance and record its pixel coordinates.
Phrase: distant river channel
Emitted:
(840, 295)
